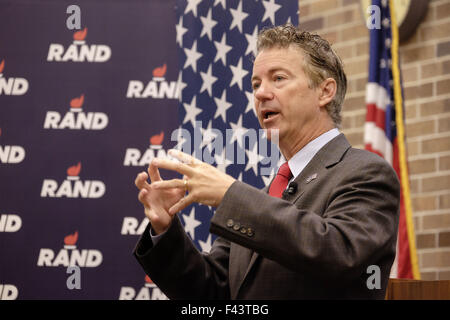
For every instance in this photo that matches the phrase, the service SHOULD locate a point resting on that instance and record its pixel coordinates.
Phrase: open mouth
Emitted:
(269, 114)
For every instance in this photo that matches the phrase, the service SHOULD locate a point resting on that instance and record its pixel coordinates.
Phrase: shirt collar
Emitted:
(301, 159)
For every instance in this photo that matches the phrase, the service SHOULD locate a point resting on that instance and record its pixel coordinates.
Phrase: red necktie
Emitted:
(281, 180)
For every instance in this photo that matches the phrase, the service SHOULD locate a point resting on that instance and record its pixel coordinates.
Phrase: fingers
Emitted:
(175, 183)
(172, 165)
(180, 205)
(141, 196)
(183, 157)
(141, 181)
(153, 173)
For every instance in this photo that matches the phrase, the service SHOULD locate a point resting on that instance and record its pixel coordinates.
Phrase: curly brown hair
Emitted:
(320, 60)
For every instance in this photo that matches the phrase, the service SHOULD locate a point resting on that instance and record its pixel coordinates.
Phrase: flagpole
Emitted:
(401, 143)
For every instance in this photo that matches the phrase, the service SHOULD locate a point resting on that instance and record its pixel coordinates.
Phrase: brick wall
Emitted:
(425, 66)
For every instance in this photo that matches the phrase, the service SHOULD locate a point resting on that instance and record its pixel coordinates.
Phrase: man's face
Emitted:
(283, 98)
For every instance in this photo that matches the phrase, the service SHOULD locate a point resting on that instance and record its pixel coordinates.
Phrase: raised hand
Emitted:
(204, 183)
(157, 201)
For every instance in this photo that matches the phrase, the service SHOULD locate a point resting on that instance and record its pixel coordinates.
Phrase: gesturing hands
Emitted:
(162, 199)
(156, 202)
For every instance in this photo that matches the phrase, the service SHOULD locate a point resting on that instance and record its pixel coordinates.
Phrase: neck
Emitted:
(289, 146)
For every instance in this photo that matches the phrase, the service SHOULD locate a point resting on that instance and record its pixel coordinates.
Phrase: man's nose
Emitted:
(264, 92)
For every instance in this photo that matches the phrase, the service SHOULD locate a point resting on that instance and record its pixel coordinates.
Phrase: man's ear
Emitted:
(328, 89)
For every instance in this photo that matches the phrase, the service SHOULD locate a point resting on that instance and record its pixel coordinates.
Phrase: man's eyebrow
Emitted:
(271, 71)
(254, 78)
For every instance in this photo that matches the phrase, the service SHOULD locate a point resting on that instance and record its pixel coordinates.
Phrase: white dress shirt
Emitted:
(301, 159)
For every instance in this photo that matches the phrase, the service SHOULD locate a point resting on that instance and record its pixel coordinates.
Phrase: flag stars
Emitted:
(222, 50)
(180, 31)
(253, 159)
(222, 106)
(238, 17)
(251, 40)
(238, 131)
(192, 6)
(208, 25)
(388, 42)
(209, 135)
(191, 111)
(208, 80)
(222, 2)
(251, 102)
(206, 246)
(238, 74)
(221, 161)
(190, 223)
(270, 9)
(268, 179)
(180, 85)
(192, 55)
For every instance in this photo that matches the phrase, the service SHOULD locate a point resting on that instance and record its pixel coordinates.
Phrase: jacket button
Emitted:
(237, 226)
(250, 232)
(230, 223)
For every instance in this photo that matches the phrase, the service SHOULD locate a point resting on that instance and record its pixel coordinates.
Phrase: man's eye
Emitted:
(255, 86)
(279, 78)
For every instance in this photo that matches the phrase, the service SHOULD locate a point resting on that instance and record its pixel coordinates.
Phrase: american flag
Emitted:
(217, 44)
(384, 127)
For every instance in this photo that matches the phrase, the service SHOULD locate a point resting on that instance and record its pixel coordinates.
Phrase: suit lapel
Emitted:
(329, 155)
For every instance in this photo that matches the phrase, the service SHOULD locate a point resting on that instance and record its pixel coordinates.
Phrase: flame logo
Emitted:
(74, 171)
(157, 139)
(2, 65)
(148, 280)
(80, 35)
(71, 239)
(160, 71)
(77, 102)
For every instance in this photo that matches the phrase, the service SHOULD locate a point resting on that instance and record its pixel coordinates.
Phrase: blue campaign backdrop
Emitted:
(82, 112)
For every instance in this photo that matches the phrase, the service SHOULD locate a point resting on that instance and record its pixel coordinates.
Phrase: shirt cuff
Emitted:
(155, 238)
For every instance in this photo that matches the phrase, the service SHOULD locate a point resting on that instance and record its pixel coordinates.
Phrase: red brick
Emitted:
(422, 166)
(444, 124)
(311, 24)
(427, 240)
(443, 49)
(417, 54)
(441, 182)
(424, 203)
(444, 201)
(435, 31)
(436, 259)
(444, 239)
(436, 221)
(435, 107)
(443, 86)
(436, 145)
(420, 128)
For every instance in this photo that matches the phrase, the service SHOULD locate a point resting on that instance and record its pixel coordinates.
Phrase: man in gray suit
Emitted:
(318, 238)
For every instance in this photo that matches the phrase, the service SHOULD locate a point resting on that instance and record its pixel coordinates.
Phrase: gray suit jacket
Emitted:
(314, 244)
